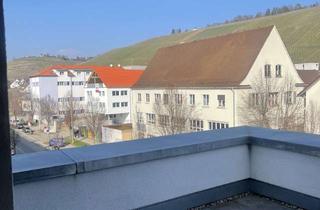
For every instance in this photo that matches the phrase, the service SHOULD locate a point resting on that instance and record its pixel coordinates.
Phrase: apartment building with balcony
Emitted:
(110, 87)
(215, 76)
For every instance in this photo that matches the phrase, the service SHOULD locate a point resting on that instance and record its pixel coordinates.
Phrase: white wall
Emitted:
(307, 66)
(122, 113)
(48, 86)
(289, 170)
(137, 185)
(212, 112)
(110, 135)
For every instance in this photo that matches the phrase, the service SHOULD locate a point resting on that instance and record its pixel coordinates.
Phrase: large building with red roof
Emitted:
(110, 88)
(62, 82)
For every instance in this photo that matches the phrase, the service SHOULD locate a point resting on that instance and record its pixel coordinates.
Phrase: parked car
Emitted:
(56, 143)
(20, 126)
(27, 130)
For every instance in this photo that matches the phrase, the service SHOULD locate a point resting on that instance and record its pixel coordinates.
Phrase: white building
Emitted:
(311, 95)
(307, 66)
(60, 83)
(215, 75)
(111, 88)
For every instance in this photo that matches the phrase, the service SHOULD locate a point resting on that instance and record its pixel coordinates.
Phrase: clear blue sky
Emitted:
(91, 27)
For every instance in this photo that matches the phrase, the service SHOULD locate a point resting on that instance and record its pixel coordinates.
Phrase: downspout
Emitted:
(234, 107)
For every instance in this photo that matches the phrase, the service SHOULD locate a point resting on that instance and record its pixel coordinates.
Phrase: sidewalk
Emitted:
(42, 139)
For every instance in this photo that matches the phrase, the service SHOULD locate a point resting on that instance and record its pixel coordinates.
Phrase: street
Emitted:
(25, 146)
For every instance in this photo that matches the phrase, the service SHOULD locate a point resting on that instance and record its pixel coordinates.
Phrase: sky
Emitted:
(92, 27)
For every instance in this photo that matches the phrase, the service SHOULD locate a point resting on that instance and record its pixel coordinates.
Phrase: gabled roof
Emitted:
(215, 62)
(308, 76)
(117, 77)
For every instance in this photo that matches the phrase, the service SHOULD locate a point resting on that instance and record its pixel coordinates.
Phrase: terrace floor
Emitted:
(250, 202)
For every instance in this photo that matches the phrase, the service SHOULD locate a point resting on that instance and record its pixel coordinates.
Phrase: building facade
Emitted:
(60, 83)
(110, 89)
(216, 77)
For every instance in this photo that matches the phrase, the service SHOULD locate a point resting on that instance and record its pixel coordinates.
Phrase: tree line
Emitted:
(267, 12)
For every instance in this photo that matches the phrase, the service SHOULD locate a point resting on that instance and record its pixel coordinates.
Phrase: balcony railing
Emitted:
(174, 172)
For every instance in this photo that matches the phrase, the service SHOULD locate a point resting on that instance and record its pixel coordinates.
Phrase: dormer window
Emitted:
(278, 71)
(267, 71)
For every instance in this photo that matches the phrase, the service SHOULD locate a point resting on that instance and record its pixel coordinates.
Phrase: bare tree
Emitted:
(48, 108)
(272, 103)
(15, 102)
(71, 109)
(312, 118)
(173, 112)
(94, 117)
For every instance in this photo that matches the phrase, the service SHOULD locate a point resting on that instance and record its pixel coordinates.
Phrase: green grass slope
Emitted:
(22, 68)
(300, 31)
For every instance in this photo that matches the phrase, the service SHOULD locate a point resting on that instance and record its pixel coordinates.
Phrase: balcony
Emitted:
(174, 172)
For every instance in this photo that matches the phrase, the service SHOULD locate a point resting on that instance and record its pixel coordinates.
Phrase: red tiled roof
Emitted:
(48, 72)
(110, 76)
(116, 77)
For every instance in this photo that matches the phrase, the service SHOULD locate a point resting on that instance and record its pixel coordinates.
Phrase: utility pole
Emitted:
(71, 106)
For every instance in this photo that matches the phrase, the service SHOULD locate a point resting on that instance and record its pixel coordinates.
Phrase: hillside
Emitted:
(22, 68)
(300, 31)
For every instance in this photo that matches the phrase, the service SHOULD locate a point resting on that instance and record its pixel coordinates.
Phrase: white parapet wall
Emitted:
(174, 172)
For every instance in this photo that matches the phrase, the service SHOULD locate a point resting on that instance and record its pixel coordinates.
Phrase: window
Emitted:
(267, 71)
(148, 98)
(205, 100)
(102, 105)
(101, 93)
(78, 73)
(140, 118)
(178, 98)
(157, 98)
(115, 93)
(124, 92)
(139, 97)
(165, 98)
(196, 125)
(254, 99)
(151, 118)
(192, 99)
(221, 101)
(290, 97)
(80, 83)
(115, 104)
(278, 71)
(67, 83)
(273, 99)
(89, 93)
(124, 104)
(81, 98)
(164, 120)
(61, 73)
(87, 73)
(111, 116)
(218, 125)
